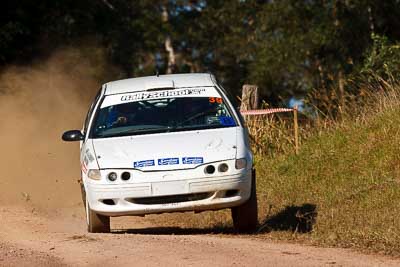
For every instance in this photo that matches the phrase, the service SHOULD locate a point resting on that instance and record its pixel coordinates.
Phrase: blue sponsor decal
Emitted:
(227, 121)
(143, 163)
(192, 160)
(168, 161)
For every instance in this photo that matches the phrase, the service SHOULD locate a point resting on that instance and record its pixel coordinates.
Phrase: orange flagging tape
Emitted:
(265, 111)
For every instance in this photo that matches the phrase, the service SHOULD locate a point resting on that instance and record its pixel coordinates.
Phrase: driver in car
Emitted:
(121, 115)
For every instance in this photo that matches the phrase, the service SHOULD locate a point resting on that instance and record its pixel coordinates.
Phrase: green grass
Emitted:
(351, 174)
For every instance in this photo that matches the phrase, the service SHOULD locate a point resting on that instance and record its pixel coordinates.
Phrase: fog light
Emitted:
(240, 164)
(112, 176)
(125, 176)
(223, 167)
(210, 169)
(94, 174)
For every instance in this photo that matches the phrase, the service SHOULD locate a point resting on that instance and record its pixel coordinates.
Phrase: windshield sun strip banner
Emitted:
(172, 93)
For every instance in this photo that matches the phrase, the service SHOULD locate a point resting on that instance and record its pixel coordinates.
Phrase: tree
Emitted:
(286, 47)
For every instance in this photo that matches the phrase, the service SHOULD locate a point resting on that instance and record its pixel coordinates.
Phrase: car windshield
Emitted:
(162, 115)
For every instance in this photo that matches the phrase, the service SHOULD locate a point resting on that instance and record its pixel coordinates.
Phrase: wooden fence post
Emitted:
(296, 130)
(250, 97)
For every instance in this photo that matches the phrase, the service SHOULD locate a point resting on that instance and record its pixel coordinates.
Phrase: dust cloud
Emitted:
(37, 104)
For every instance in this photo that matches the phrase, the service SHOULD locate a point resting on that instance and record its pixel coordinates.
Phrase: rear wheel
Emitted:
(96, 223)
(245, 216)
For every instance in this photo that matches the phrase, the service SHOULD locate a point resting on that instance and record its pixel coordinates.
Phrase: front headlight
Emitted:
(240, 164)
(94, 174)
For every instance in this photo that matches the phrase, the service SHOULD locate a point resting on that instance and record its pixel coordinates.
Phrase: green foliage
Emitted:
(302, 45)
(383, 59)
(287, 47)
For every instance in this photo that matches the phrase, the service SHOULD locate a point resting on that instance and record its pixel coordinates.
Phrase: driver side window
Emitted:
(89, 114)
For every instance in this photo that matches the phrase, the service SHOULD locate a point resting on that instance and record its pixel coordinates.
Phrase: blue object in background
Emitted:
(296, 102)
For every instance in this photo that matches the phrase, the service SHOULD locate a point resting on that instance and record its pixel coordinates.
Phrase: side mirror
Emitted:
(74, 135)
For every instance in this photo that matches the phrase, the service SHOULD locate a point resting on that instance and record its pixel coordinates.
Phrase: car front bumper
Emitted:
(172, 195)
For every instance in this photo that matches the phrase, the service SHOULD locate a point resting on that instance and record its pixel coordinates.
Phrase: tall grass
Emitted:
(344, 186)
(273, 134)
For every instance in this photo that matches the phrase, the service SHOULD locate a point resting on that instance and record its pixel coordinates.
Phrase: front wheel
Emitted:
(96, 223)
(245, 216)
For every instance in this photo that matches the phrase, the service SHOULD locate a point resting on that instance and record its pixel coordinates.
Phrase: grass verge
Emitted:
(343, 188)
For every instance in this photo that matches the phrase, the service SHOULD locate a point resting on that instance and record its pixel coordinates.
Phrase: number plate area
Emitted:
(170, 188)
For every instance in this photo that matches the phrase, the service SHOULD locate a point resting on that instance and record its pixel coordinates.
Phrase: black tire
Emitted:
(96, 223)
(245, 216)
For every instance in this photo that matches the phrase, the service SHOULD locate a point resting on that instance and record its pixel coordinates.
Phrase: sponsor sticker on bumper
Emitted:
(192, 160)
(143, 163)
(168, 161)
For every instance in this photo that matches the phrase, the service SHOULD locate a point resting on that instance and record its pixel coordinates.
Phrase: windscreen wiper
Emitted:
(139, 131)
(195, 116)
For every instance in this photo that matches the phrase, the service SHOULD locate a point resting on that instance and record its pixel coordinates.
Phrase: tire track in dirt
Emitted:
(14, 256)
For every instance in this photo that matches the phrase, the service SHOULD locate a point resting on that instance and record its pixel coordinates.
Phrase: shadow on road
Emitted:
(176, 231)
(300, 219)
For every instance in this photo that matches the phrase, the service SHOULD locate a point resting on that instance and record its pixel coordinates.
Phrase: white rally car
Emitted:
(168, 143)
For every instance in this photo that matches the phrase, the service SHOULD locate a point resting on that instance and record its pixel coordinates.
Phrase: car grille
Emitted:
(170, 199)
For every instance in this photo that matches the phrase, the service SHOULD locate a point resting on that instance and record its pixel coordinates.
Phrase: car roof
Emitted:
(161, 81)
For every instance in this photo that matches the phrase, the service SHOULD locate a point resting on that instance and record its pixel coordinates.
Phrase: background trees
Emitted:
(288, 47)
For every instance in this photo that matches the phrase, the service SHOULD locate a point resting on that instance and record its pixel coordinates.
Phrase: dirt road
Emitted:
(32, 238)
(41, 223)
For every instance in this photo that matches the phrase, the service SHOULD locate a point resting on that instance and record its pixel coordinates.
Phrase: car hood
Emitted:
(166, 151)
